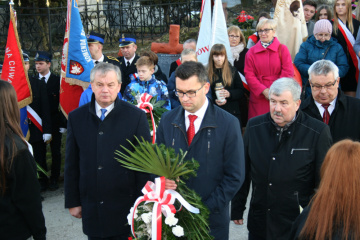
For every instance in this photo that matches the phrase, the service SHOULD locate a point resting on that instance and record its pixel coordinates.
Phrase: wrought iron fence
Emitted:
(44, 28)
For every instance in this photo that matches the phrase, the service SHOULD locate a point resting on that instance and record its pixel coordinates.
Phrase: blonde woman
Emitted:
(345, 30)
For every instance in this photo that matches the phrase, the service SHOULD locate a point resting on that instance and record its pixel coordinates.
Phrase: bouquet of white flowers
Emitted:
(186, 216)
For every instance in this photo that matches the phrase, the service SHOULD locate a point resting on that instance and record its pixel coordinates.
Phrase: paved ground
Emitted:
(61, 226)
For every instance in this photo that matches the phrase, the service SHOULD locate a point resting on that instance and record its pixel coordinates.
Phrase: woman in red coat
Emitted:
(266, 62)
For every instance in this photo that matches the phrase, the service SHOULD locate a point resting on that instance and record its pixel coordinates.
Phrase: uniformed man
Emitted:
(58, 121)
(95, 43)
(39, 109)
(127, 61)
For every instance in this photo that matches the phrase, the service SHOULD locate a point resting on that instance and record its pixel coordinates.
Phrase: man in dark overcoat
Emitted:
(97, 188)
(58, 120)
(284, 150)
(40, 130)
(211, 136)
(342, 112)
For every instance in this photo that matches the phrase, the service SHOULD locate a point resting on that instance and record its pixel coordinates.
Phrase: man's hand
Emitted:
(239, 222)
(75, 212)
(170, 184)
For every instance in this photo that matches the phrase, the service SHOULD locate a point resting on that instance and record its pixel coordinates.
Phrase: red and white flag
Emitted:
(13, 69)
(213, 30)
(219, 29)
(203, 42)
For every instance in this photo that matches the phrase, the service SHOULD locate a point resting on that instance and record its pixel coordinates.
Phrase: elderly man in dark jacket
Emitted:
(212, 137)
(342, 112)
(97, 188)
(284, 150)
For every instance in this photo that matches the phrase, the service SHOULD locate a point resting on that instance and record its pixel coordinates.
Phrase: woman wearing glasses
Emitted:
(226, 85)
(239, 50)
(266, 62)
(345, 29)
(20, 204)
(320, 46)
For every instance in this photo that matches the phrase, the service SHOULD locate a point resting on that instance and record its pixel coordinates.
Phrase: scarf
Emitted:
(236, 51)
(265, 45)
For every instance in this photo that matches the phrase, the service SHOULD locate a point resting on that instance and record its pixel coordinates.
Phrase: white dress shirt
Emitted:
(46, 76)
(130, 60)
(98, 109)
(322, 109)
(200, 116)
(99, 60)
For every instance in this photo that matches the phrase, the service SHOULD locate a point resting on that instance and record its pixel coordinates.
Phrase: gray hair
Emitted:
(103, 68)
(323, 67)
(189, 69)
(189, 51)
(191, 40)
(286, 84)
(271, 22)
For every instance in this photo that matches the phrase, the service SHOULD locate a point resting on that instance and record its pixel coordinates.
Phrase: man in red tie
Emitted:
(329, 104)
(212, 137)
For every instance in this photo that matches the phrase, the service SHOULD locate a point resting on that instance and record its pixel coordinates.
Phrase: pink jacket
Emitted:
(262, 67)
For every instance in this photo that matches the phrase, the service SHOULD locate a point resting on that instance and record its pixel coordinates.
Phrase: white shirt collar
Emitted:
(200, 116)
(131, 60)
(100, 59)
(46, 76)
(98, 109)
(322, 109)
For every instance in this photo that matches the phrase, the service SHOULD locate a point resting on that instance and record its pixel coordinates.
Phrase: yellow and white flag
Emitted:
(291, 25)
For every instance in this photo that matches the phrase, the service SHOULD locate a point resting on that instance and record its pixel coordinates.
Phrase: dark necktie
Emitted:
(103, 111)
(326, 116)
(191, 129)
(127, 64)
(43, 79)
(96, 62)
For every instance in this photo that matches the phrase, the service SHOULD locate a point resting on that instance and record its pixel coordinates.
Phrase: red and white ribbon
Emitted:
(144, 104)
(34, 117)
(163, 203)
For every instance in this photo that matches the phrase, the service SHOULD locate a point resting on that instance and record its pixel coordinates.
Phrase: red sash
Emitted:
(351, 51)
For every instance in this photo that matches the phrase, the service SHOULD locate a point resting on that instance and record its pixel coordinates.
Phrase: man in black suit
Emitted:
(40, 131)
(97, 188)
(127, 61)
(95, 43)
(329, 104)
(58, 121)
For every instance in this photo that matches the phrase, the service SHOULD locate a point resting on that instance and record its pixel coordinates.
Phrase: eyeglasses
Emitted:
(233, 36)
(321, 35)
(317, 87)
(189, 94)
(266, 31)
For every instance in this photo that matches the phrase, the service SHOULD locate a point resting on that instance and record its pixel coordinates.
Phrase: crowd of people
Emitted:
(247, 123)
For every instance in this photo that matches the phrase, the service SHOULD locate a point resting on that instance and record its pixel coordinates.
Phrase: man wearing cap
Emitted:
(329, 104)
(96, 42)
(58, 121)
(38, 109)
(127, 61)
